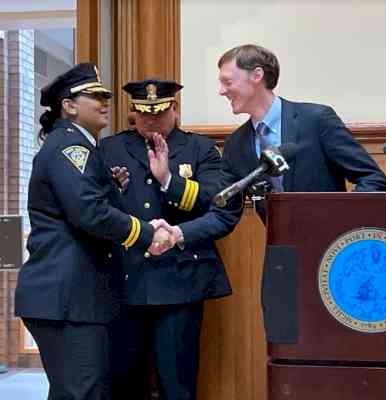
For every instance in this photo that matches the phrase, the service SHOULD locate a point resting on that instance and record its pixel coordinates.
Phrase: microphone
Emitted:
(272, 162)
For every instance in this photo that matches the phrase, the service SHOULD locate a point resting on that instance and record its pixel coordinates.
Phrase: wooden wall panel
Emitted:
(365, 133)
(233, 348)
(87, 31)
(125, 56)
(146, 44)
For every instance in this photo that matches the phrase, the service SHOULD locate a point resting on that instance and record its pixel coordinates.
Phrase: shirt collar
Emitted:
(272, 117)
(86, 133)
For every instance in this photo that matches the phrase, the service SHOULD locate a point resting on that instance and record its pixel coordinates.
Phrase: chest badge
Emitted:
(78, 156)
(185, 170)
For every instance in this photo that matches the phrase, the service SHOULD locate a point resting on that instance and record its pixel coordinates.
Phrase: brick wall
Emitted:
(17, 140)
(3, 126)
(21, 117)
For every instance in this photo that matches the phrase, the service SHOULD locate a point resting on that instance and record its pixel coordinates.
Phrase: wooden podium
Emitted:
(318, 350)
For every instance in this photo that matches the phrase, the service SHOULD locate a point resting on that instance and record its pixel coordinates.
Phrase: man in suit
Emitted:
(327, 154)
(172, 175)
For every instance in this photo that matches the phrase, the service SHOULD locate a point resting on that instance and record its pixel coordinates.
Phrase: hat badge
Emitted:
(151, 90)
(97, 74)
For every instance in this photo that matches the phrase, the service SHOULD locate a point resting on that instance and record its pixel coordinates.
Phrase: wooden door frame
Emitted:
(145, 42)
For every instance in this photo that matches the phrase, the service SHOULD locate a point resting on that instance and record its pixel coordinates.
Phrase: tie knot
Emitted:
(261, 128)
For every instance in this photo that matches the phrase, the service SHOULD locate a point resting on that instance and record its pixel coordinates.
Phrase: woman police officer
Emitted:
(65, 290)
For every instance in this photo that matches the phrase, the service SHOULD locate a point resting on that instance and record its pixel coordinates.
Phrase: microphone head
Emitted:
(275, 159)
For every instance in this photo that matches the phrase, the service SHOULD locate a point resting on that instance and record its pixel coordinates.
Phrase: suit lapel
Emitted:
(247, 154)
(289, 134)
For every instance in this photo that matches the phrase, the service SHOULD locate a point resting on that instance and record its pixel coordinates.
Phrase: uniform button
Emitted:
(149, 181)
(175, 204)
(126, 277)
(109, 255)
(147, 205)
(170, 203)
(147, 254)
(195, 256)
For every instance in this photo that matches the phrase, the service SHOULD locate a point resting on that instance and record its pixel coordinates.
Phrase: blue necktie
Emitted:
(262, 130)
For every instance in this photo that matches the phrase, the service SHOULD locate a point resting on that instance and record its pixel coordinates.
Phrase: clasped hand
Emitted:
(165, 237)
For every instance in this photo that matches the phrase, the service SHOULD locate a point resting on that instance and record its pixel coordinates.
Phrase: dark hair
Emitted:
(47, 120)
(250, 56)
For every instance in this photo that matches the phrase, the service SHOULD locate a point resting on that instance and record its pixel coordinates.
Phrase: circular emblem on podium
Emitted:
(352, 279)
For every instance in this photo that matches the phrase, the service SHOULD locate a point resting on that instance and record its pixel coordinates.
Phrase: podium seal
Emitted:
(352, 279)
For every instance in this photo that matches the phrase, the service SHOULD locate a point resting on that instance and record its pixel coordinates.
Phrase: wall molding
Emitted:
(364, 132)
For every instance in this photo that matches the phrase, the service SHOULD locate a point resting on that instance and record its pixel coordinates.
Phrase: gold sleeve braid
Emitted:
(189, 196)
(134, 233)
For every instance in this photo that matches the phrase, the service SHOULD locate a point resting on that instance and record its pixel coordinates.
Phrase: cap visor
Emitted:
(153, 109)
(98, 90)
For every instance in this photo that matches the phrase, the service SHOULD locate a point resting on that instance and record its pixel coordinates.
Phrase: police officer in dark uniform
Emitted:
(64, 292)
(163, 295)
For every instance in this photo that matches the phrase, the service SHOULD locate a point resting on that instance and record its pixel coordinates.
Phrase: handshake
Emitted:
(165, 237)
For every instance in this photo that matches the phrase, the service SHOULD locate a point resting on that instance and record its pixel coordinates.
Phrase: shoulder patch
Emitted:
(78, 155)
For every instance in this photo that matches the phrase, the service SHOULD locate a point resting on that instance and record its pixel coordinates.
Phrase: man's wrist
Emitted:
(166, 184)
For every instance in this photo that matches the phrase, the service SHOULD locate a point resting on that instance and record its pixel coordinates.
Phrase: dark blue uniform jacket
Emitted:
(186, 275)
(76, 224)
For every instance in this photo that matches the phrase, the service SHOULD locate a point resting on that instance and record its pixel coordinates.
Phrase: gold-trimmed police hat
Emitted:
(83, 78)
(152, 95)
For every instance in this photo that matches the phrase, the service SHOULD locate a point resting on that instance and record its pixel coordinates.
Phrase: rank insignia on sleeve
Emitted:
(185, 170)
(78, 155)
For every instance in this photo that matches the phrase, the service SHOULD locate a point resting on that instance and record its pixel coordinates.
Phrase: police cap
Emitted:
(83, 78)
(152, 95)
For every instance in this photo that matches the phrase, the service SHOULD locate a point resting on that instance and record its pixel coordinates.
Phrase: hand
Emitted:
(122, 176)
(163, 240)
(174, 230)
(159, 159)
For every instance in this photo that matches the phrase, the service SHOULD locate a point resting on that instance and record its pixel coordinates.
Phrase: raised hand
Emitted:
(159, 159)
(122, 176)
